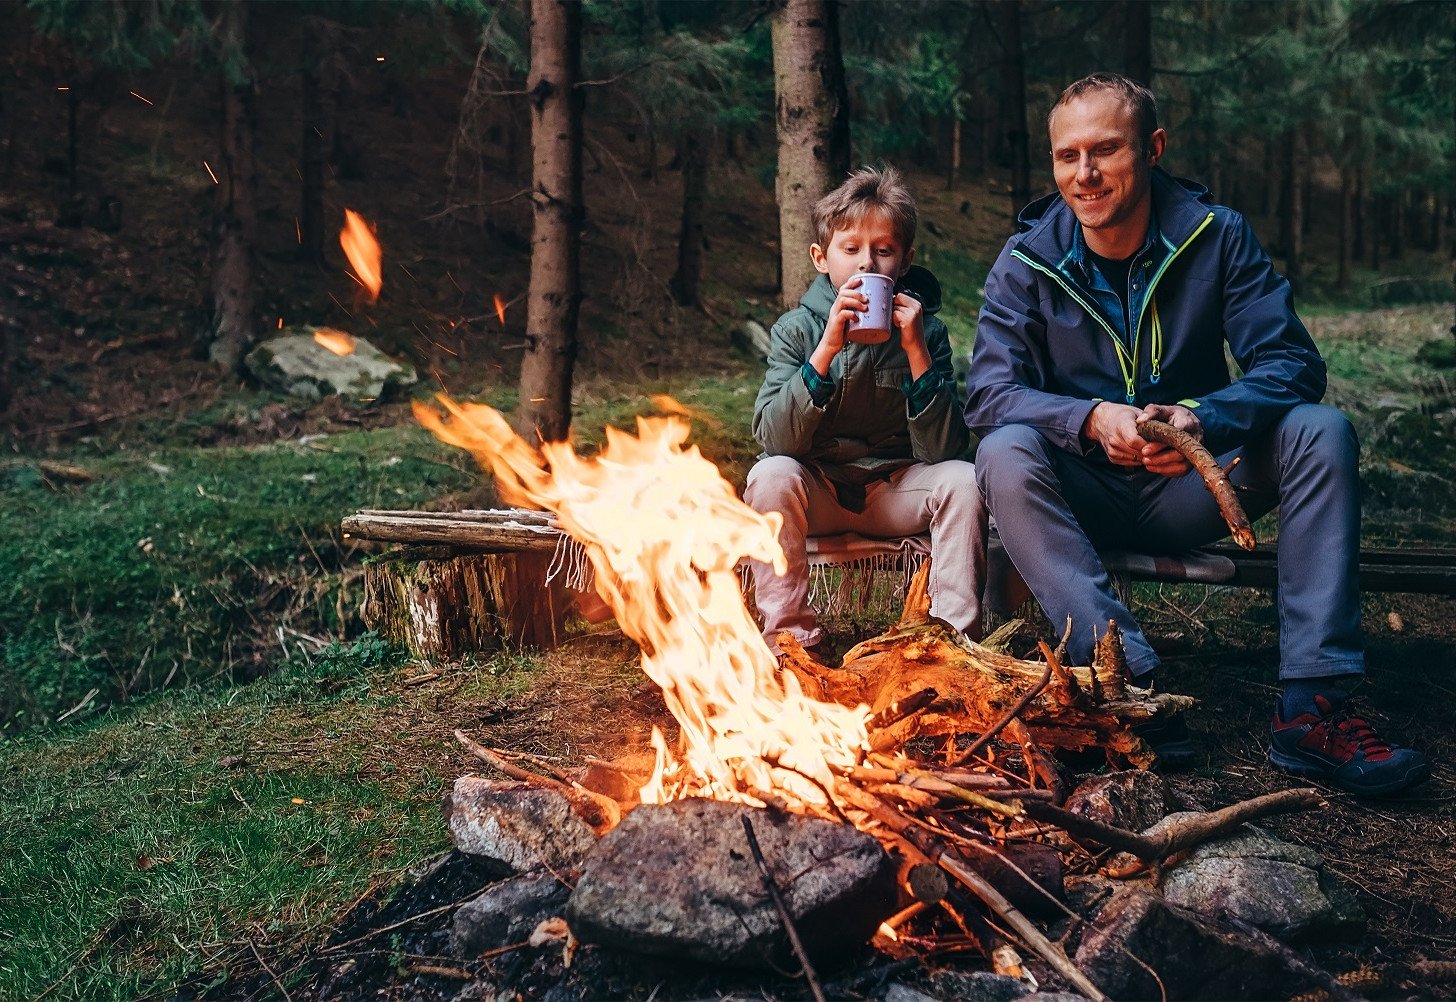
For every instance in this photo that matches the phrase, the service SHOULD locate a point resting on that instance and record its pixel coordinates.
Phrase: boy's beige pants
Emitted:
(940, 497)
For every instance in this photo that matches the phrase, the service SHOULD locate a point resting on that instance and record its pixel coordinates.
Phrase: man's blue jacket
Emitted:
(1045, 354)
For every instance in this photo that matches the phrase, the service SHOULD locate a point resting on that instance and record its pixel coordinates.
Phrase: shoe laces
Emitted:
(1346, 732)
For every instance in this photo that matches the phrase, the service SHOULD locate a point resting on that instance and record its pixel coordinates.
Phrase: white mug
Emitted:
(876, 323)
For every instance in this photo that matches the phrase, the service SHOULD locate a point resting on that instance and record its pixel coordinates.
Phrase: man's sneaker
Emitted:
(1171, 741)
(1336, 745)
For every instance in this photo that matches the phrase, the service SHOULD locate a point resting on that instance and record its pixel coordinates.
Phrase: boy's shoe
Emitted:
(1171, 741)
(1337, 745)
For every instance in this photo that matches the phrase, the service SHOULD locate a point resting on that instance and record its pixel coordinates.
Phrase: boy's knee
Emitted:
(776, 482)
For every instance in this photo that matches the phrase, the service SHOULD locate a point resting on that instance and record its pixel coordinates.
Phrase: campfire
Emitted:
(940, 750)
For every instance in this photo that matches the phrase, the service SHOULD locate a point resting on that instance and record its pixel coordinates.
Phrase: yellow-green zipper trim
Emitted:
(1126, 361)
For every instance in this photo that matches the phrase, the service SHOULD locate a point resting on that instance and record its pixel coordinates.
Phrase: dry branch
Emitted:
(1214, 476)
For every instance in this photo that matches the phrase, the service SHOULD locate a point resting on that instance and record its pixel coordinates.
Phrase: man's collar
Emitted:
(1080, 258)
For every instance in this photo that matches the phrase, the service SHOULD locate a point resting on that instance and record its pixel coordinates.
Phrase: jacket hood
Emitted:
(1046, 224)
(918, 281)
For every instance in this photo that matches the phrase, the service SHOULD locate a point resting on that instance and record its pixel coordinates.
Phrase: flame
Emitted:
(336, 341)
(500, 308)
(664, 532)
(363, 252)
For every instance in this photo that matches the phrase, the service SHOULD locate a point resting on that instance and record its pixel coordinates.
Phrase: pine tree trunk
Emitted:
(953, 175)
(687, 279)
(554, 297)
(1395, 217)
(234, 327)
(806, 129)
(1357, 249)
(312, 147)
(1137, 40)
(837, 87)
(1377, 227)
(1271, 171)
(1347, 213)
(1013, 76)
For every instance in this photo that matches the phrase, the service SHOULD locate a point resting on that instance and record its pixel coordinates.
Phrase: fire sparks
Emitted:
(500, 309)
(337, 341)
(748, 732)
(209, 171)
(363, 252)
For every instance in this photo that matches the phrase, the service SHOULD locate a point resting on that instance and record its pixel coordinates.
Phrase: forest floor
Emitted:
(202, 837)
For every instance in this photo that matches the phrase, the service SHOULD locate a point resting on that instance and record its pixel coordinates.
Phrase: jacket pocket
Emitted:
(892, 378)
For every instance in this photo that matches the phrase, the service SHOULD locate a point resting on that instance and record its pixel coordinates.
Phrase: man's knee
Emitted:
(776, 483)
(1010, 454)
(1320, 432)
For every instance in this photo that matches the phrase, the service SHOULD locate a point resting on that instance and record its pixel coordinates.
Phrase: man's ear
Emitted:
(1157, 146)
(821, 263)
(909, 260)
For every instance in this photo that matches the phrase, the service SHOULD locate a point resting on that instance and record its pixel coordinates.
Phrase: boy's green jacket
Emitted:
(865, 431)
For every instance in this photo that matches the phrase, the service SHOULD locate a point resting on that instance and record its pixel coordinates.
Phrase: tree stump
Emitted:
(442, 604)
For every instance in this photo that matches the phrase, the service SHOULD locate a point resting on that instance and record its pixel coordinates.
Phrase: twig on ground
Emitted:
(772, 887)
(264, 964)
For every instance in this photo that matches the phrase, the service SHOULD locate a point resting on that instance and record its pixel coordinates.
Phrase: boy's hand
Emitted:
(849, 302)
(909, 319)
(1164, 459)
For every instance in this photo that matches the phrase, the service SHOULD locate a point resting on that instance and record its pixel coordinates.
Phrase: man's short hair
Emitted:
(1135, 97)
(864, 191)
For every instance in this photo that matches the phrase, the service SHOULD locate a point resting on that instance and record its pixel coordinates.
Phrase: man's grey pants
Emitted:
(940, 497)
(1053, 510)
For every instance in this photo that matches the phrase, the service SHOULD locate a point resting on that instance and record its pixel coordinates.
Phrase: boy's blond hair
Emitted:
(867, 190)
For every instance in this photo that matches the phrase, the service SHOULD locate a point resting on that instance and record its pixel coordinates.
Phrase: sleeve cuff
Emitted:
(820, 388)
(922, 391)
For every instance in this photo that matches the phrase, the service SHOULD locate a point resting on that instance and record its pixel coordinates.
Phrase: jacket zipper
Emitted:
(1126, 361)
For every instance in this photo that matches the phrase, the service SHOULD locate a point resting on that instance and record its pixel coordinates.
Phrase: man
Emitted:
(1113, 304)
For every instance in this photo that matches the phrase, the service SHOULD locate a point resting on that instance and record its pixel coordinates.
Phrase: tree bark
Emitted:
(1137, 40)
(312, 152)
(233, 328)
(686, 281)
(1357, 245)
(1291, 208)
(1347, 214)
(953, 175)
(1013, 76)
(808, 134)
(544, 413)
(443, 606)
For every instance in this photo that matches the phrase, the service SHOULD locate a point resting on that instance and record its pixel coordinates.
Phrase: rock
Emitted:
(1133, 800)
(751, 338)
(522, 827)
(297, 364)
(1194, 956)
(897, 992)
(678, 879)
(977, 986)
(1277, 886)
(508, 912)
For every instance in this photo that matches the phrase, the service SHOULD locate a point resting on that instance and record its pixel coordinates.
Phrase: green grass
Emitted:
(136, 860)
(174, 567)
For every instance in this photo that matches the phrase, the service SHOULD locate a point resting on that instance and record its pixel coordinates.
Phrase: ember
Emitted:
(363, 252)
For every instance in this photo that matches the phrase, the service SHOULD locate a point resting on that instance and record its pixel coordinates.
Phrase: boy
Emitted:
(863, 437)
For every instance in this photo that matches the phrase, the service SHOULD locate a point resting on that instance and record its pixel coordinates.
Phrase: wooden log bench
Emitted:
(462, 582)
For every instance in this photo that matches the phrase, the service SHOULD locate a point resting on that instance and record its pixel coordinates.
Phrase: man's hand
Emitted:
(1164, 459)
(909, 320)
(1114, 427)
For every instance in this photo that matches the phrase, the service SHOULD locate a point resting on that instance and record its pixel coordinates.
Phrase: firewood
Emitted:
(601, 812)
(1183, 834)
(977, 687)
(1215, 477)
(973, 881)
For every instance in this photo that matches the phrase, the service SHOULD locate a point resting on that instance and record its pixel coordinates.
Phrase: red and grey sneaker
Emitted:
(1337, 745)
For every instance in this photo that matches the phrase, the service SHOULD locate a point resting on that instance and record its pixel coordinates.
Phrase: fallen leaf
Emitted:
(1393, 620)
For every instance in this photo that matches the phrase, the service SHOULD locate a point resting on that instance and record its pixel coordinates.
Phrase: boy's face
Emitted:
(869, 245)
